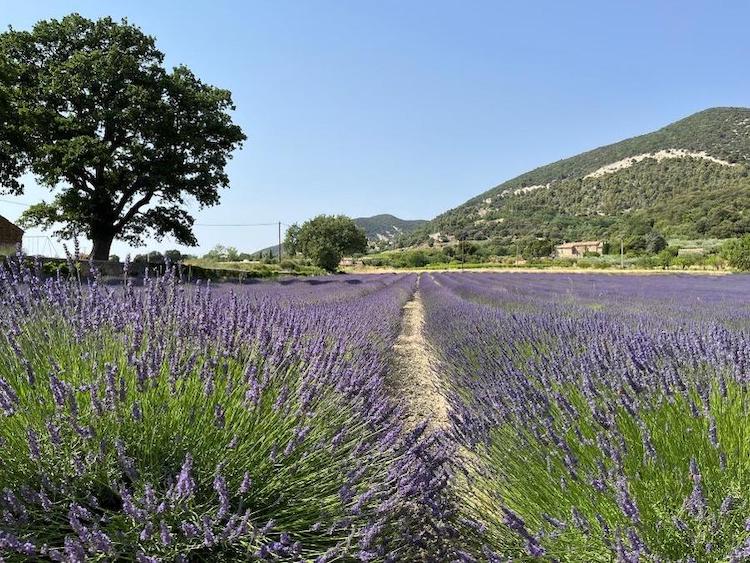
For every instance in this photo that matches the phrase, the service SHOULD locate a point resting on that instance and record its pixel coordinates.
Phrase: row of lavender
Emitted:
(600, 417)
(175, 423)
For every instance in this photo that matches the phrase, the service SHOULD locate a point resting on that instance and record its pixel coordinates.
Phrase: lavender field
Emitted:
(601, 417)
(589, 418)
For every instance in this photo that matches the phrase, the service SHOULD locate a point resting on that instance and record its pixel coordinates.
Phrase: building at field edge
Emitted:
(577, 249)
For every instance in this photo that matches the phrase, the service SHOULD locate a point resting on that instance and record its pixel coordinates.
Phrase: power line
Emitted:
(22, 204)
(236, 224)
(196, 224)
(15, 202)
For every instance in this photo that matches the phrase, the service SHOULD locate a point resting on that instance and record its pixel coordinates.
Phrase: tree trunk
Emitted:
(102, 246)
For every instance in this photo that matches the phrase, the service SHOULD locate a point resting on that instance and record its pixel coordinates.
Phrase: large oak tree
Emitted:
(89, 108)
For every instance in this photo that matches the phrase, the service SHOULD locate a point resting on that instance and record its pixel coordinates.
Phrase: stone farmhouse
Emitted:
(10, 234)
(578, 249)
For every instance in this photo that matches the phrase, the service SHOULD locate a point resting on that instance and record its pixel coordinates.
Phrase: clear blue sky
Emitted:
(412, 107)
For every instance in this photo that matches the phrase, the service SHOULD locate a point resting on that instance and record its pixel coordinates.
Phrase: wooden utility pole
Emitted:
(622, 254)
(279, 242)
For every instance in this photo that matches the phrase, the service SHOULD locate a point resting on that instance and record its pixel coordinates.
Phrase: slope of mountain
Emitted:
(387, 227)
(690, 178)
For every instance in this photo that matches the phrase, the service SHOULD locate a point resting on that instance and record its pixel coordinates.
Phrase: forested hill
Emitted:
(689, 178)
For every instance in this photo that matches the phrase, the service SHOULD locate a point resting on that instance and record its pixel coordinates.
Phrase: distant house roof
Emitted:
(583, 243)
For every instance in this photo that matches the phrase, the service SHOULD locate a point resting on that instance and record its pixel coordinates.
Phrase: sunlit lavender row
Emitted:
(599, 417)
(187, 423)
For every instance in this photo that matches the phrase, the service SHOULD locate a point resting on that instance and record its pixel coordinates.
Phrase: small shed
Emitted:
(10, 234)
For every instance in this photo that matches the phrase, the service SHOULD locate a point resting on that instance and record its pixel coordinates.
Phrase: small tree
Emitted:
(655, 242)
(536, 248)
(216, 254)
(327, 238)
(232, 255)
(665, 258)
(89, 109)
(737, 253)
(291, 240)
(174, 256)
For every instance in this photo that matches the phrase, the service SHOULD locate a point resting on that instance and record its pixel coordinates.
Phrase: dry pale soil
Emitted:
(414, 376)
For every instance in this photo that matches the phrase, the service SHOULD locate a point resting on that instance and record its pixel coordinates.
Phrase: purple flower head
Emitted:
(726, 505)
(74, 550)
(696, 504)
(8, 398)
(147, 532)
(164, 534)
(137, 412)
(626, 502)
(126, 463)
(246, 483)
(220, 486)
(101, 542)
(189, 529)
(209, 538)
(33, 440)
(219, 417)
(185, 484)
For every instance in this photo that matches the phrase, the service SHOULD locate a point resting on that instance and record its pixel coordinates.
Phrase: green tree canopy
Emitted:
(291, 240)
(326, 239)
(89, 109)
(536, 248)
(737, 253)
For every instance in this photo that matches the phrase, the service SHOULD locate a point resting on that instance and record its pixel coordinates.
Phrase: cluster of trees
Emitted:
(737, 253)
(325, 240)
(221, 253)
(156, 257)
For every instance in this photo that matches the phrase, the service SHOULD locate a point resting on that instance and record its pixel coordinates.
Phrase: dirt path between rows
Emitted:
(414, 377)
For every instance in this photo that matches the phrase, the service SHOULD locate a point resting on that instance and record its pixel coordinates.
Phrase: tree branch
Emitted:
(132, 211)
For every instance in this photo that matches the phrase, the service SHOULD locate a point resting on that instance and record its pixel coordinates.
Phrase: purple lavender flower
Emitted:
(189, 529)
(219, 418)
(726, 505)
(626, 502)
(147, 532)
(74, 550)
(136, 412)
(185, 484)
(8, 398)
(220, 486)
(208, 535)
(246, 484)
(164, 534)
(33, 440)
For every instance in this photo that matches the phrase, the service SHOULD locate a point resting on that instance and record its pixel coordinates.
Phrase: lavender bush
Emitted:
(600, 418)
(183, 423)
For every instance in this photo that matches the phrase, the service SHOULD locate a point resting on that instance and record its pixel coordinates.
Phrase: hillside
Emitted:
(687, 179)
(387, 227)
